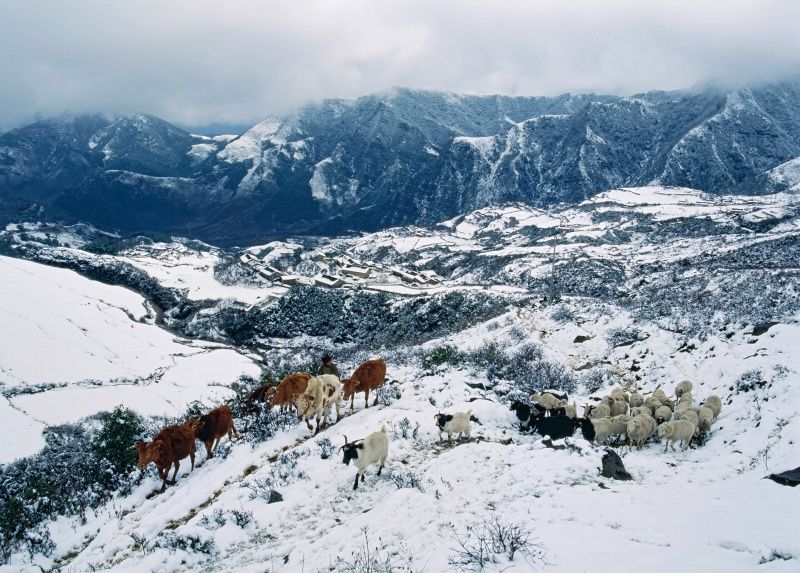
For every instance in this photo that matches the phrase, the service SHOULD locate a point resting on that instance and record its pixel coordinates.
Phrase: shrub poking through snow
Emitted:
(241, 518)
(173, 542)
(405, 480)
(325, 448)
(493, 541)
(387, 394)
(370, 559)
(213, 520)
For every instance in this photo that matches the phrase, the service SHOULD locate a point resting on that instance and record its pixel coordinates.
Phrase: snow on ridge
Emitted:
(249, 144)
(788, 174)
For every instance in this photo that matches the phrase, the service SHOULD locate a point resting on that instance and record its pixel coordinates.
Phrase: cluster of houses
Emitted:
(342, 270)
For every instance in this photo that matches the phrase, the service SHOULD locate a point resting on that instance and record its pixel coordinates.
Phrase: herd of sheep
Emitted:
(628, 417)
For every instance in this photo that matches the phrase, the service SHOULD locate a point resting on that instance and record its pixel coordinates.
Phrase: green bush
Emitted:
(441, 355)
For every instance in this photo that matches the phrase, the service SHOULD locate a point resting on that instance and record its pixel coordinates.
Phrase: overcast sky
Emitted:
(196, 62)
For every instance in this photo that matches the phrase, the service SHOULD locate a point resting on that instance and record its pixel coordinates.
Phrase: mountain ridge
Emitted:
(400, 157)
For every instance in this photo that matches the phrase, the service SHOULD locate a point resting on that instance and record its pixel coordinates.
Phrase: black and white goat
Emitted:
(457, 423)
(374, 449)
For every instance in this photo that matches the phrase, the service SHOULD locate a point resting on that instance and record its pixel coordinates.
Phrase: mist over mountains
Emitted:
(395, 158)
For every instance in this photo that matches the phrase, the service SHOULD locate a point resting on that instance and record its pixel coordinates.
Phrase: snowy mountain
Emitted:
(639, 287)
(396, 158)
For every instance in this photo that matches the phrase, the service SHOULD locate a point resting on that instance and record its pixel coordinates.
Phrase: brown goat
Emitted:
(369, 376)
(169, 446)
(289, 389)
(210, 428)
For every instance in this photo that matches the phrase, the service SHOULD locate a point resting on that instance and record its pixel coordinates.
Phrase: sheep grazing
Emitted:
(168, 447)
(635, 400)
(457, 423)
(596, 411)
(652, 403)
(556, 427)
(690, 415)
(639, 429)
(374, 449)
(663, 414)
(289, 389)
(683, 387)
(211, 427)
(620, 424)
(679, 430)
(554, 404)
(596, 430)
(715, 404)
(704, 419)
(369, 376)
(571, 411)
(686, 398)
(618, 407)
(619, 394)
(322, 392)
(641, 411)
(660, 395)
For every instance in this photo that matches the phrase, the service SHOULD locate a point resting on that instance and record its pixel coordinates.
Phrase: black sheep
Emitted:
(556, 427)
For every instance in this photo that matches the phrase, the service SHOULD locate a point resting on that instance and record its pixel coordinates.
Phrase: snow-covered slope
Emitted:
(72, 347)
(640, 287)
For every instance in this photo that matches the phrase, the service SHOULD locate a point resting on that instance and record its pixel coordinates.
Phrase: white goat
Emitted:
(374, 449)
(322, 391)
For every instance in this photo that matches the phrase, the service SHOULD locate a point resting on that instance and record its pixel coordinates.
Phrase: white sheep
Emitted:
(659, 395)
(682, 430)
(374, 449)
(596, 411)
(618, 407)
(663, 414)
(653, 403)
(683, 387)
(639, 429)
(619, 424)
(641, 411)
(686, 398)
(635, 400)
(571, 410)
(597, 430)
(619, 394)
(457, 423)
(688, 414)
(548, 400)
(705, 419)
(715, 404)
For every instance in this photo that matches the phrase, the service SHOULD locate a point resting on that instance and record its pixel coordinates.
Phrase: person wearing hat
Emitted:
(328, 367)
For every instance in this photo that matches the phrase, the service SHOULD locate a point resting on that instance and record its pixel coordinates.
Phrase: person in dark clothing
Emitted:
(328, 367)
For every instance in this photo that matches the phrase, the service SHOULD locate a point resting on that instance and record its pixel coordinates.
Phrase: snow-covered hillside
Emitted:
(637, 287)
(72, 347)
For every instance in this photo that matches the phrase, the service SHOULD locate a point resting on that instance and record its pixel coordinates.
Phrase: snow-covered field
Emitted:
(90, 347)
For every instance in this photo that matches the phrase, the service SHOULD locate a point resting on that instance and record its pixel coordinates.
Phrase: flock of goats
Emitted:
(629, 417)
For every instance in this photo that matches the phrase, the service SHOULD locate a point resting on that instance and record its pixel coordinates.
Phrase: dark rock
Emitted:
(760, 329)
(274, 496)
(613, 467)
(581, 338)
(790, 478)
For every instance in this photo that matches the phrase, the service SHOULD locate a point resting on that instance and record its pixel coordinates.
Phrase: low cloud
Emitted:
(197, 62)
